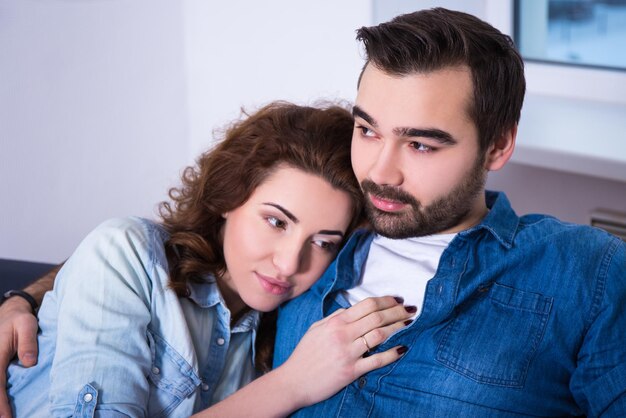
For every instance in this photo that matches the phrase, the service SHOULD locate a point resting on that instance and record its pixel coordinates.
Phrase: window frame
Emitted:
(560, 80)
(516, 32)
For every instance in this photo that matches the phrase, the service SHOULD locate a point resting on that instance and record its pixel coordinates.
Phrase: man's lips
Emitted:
(272, 285)
(386, 205)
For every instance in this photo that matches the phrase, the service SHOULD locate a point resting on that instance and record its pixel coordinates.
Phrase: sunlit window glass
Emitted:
(578, 32)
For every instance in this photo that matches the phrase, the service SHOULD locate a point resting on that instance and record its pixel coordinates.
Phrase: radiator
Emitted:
(611, 221)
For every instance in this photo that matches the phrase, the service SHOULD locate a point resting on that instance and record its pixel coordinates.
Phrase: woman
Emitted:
(151, 319)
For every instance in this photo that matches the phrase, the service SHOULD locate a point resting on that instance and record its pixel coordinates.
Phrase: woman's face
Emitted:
(282, 239)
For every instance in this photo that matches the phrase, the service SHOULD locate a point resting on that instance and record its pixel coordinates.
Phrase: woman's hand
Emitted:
(331, 354)
(329, 357)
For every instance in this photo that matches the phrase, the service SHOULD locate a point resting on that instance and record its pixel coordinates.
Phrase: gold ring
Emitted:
(365, 342)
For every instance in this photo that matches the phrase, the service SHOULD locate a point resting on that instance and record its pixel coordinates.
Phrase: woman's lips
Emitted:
(272, 285)
(385, 204)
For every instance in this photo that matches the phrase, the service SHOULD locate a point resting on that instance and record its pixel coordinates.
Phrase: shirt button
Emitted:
(362, 382)
(205, 387)
(156, 370)
(88, 397)
(220, 341)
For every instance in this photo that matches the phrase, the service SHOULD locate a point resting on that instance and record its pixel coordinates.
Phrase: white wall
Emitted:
(246, 53)
(92, 117)
(103, 102)
(570, 197)
(384, 10)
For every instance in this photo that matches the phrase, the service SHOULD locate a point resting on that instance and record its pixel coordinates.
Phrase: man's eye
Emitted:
(418, 146)
(365, 131)
(276, 223)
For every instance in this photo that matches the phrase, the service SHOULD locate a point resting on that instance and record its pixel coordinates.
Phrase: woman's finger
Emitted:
(324, 320)
(370, 340)
(378, 360)
(377, 336)
(376, 323)
(337, 312)
(368, 306)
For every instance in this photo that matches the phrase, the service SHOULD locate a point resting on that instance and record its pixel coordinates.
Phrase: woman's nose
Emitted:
(287, 258)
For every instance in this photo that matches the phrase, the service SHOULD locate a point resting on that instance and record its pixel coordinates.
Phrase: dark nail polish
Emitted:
(408, 322)
(411, 309)
(399, 299)
(401, 350)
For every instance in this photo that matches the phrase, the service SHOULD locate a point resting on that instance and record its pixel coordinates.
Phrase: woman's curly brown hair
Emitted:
(315, 140)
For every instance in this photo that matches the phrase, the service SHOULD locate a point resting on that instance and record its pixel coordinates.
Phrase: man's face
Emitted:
(415, 152)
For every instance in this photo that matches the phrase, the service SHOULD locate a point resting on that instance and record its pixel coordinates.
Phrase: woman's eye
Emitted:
(418, 146)
(326, 245)
(276, 223)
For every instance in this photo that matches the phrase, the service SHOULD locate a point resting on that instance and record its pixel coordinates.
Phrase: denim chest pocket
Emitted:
(171, 377)
(494, 336)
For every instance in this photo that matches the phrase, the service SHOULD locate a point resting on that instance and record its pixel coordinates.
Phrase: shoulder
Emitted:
(130, 249)
(128, 234)
(547, 228)
(576, 251)
(129, 229)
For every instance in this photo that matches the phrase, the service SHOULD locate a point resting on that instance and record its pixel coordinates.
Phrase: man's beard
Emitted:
(441, 215)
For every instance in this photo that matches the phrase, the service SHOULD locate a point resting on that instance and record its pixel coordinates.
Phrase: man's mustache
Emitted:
(388, 193)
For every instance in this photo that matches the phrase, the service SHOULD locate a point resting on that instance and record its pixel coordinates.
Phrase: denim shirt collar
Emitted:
(501, 222)
(207, 295)
(345, 271)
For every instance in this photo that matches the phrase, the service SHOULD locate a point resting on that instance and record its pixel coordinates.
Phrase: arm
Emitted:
(329, 357)
(18, 332)
(100, 310)
(599, 381)
(45, 283)
(18, 325)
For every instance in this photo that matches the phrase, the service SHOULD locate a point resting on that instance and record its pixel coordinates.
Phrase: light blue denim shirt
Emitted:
(524, 317)
(115, 341)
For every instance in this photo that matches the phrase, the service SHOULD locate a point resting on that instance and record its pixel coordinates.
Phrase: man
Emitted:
(517, 316)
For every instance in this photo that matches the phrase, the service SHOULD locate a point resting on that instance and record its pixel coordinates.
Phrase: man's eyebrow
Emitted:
(283, 210)
(443, 137)
(357, 112)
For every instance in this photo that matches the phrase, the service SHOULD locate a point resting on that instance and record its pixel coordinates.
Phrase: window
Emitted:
(576, 32)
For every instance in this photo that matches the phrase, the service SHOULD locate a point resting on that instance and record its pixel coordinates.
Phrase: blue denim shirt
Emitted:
(526, 316)
(116, 341)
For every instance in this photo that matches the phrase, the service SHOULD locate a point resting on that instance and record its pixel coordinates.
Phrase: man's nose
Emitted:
(386, 167)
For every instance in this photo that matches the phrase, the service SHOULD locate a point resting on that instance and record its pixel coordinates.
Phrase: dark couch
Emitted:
(15, 274)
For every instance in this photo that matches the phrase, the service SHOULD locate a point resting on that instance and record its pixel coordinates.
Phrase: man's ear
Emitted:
(501, 150)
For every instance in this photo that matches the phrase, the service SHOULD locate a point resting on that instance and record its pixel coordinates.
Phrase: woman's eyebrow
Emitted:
(283, 210)
(296, 220)
(330, 232)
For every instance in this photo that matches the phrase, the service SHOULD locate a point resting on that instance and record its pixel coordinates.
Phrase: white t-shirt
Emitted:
(400, 267)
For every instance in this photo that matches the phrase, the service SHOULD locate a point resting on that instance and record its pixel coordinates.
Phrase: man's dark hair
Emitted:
(430, 40)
